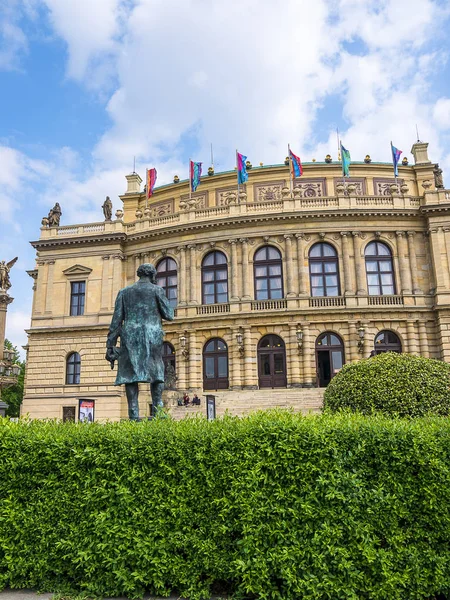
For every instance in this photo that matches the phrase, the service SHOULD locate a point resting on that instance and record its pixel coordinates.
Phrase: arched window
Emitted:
(387, 341)
(272, 362)
(329, 357)
(268, 273)
(214, 278)
(169, 361)
(73, 369)
(379, 269)
(166, 277)
(323, 270)
(215, 365)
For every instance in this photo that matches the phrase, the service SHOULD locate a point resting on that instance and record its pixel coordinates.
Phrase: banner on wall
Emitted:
(86, 411)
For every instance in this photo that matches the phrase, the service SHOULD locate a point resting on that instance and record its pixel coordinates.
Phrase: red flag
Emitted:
(151, 180)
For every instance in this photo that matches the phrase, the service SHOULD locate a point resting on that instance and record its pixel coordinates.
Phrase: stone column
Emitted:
(437, 248)
(181, 366)
(412, 337)
(49, 291)
(236, 360)
(405, 273)
(309, 379)
(360, 267)
(41, 287)
(423, 339)
(106, 292)
(234, 270)
(182, 276)
(117, 277)
(347, 287)
(193, 275)
(413, 263)
(246, 280)
(294, 358)
(249, 381)
(353, 342)
(5, 300)
(193, 362)
(302, 270)
(137, 262)
(289, 266)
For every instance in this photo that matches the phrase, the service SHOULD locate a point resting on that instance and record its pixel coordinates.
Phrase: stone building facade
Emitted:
(274, 287)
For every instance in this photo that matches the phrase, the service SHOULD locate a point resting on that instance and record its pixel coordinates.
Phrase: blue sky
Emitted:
(88, 84)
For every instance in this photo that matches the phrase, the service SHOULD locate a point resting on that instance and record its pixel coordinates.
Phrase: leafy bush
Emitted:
(394, 384)
(273, 506)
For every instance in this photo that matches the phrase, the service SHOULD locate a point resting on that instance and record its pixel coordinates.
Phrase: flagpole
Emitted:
(290, 168)
(212, 157)
(237, 171)
(190, 180)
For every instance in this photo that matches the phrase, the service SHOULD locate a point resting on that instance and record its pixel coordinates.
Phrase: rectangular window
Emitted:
(77, 298)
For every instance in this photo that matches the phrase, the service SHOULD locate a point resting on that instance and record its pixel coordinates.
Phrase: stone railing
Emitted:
(327, 301)
(287, 204)
(269, 304)
(385, 300)
(211, 309)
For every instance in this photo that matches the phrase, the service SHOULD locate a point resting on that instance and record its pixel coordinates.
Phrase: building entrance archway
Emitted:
(329, 357)
(272, 362)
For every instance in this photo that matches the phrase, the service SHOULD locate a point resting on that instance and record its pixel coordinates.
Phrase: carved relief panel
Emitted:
(201, 199)
(382, 186)
(228, 195)
(160, 209)
(358, 182)
(269, 191)
(314, 187)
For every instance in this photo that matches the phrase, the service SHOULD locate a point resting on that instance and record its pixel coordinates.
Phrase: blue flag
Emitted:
(345, 157)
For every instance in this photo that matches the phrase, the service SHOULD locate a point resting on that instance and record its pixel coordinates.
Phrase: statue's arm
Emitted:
(116, 322)
(164, 307)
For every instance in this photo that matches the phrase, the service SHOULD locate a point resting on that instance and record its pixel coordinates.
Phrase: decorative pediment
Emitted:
(77, 271)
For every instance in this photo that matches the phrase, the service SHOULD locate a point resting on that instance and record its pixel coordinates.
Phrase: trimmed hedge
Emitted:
(273, 506)
(394, 384)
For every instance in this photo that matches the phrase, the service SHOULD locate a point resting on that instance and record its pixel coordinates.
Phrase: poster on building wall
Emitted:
(86, 411)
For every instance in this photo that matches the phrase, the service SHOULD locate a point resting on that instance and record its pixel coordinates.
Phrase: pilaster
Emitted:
(302, 268)
(360, 271)
(347, 287)
(405, 273)
(289, 266)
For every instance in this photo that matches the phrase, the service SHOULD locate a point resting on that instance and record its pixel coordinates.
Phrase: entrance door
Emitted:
(215, 365)
(329, 357)
(272, 362)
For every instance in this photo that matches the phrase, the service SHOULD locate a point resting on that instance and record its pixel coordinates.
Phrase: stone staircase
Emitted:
(242, 402)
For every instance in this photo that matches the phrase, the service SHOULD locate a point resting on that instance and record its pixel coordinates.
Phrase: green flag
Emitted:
(345, 154)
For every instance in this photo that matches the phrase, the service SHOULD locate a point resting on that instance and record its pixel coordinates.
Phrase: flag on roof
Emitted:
(296, 165)
(241, 167)
(395, 158)
(151, 180)
(346, 159)
(195, 172)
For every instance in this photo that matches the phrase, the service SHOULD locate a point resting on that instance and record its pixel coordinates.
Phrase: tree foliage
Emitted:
(13, 395)
(274, 506)
(394, 384)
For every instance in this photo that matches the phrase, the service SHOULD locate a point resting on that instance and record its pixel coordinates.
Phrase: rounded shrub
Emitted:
(393, 384)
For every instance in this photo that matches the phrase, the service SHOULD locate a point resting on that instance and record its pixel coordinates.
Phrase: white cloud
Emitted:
(441, 113)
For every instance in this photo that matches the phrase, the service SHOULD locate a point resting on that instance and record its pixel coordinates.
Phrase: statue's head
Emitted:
(147, 270)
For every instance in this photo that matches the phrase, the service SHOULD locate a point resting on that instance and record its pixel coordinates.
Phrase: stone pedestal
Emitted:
(5, 300)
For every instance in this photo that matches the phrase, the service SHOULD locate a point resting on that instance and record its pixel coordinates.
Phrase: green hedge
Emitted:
(394, 384)
(273, 506)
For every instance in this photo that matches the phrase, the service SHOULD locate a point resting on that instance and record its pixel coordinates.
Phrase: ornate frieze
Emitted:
(228, 195)
(310, 188)
(355, 186)
(200, 199)
(382, 186)
(160, 209)
(268, 191)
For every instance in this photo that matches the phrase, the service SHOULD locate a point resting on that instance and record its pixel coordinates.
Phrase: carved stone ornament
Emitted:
(200, 200)
(147, 212)
(285, 192)
(322, 235)
(161, 209)
(119, 213)
(356, 186)
(138, 213)
(227, 196)
(382, 187)
(268, 192)
(426, 184)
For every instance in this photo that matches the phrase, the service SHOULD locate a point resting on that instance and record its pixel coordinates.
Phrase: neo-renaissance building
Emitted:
(275, 288)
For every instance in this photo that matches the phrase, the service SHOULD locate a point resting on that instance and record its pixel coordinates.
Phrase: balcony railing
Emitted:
(385, 300)
(327, 301)
(210, 309)
(269, 305)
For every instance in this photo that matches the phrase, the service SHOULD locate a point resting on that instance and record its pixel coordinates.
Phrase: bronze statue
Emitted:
(5, 268)
(438, 180)
(138, 312)
(107, 209)
(54, 216)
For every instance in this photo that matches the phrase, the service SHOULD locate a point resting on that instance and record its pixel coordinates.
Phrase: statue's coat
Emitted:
(136, 321)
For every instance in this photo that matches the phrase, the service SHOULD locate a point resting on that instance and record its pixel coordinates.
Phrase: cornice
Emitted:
(73, 241)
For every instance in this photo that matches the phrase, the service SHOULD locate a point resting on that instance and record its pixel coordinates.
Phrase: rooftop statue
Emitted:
(137, 317)
(438, 180)
(54, 216)
(107, 209)
(5, 268)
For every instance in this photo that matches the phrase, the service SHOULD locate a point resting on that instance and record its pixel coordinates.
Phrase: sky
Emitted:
(86, 85)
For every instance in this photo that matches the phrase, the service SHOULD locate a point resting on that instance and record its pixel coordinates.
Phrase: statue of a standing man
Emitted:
(107, 209)
(138, 312)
